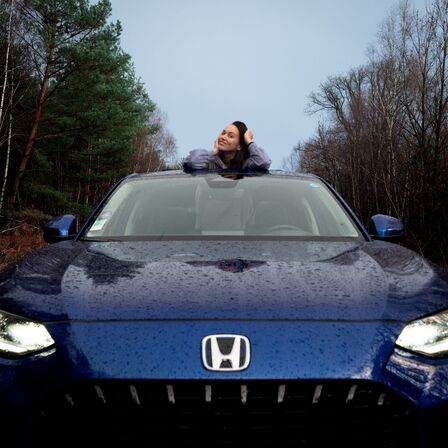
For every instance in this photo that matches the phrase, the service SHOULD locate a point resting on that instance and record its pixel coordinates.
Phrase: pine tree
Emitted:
(54, 28)
(92, 121)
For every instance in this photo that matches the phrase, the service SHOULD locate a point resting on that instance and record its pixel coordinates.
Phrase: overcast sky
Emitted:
(206, 63)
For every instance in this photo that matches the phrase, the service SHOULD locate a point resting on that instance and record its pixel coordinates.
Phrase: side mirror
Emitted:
(60, 228)
(386, 227)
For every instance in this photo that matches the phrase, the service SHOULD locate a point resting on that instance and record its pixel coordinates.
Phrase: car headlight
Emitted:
(428, 336)
(20, 336)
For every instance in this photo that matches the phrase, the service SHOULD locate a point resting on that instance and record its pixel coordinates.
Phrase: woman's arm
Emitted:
(258, 159)
(197, 159)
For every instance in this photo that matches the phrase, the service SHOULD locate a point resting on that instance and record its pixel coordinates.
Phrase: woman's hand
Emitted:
(215, 148)
(248, 136)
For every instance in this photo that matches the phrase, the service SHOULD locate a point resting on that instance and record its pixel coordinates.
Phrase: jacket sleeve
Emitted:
(197, 159)
(258, 159)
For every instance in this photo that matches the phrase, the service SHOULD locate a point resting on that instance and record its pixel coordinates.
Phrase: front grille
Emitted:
(228, 413)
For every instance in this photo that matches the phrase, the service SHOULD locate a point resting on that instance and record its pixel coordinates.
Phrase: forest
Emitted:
(74, 117)
(382, 139)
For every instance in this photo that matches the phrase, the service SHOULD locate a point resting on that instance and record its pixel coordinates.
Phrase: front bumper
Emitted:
(143, 383)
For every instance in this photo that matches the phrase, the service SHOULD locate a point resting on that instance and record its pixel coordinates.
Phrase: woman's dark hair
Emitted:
(243, 154)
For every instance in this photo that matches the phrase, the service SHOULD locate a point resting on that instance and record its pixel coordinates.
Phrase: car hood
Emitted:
(230, 280)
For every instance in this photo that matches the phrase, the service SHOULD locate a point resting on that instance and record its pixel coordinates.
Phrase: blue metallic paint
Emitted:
(183, 280)
(139, 310)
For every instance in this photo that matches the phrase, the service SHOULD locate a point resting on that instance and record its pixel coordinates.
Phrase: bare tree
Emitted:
(385, 146)
(292, 162)
(155, 145)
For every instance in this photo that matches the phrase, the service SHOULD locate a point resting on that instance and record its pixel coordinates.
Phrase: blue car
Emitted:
(223, 309)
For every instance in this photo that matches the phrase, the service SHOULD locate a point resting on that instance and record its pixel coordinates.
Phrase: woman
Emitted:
(234, 149)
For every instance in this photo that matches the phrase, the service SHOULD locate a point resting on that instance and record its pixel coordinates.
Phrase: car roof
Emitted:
(178, 172)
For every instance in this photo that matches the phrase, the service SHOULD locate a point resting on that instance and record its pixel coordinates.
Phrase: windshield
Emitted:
(211, 205)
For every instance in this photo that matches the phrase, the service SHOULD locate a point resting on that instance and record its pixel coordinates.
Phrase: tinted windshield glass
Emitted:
(213, 205)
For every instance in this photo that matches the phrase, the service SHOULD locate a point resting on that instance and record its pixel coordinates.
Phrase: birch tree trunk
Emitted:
(2, 102)
(8, 151)
(5, 77)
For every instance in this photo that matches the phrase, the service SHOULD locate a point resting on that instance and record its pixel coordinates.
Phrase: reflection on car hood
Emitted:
(288, 280)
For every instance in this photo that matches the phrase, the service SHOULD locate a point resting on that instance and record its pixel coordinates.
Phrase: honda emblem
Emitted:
(225, 352)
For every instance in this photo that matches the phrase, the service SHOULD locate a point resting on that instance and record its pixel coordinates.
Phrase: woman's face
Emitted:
(229, 139)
